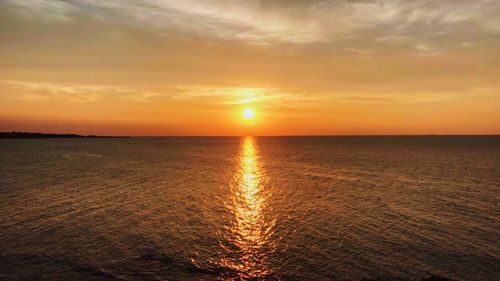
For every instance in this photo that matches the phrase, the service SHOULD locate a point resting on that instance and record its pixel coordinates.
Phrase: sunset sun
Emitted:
(248, 113)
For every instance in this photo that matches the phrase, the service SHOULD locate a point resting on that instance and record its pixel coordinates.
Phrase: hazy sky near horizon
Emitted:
(165, 67)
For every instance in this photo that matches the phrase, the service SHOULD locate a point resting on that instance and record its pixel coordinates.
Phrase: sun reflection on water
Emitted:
(250, 230)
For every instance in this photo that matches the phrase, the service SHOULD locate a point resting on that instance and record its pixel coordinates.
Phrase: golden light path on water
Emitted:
(251, 230)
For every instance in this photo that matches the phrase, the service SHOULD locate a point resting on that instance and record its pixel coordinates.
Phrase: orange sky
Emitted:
(152, 67)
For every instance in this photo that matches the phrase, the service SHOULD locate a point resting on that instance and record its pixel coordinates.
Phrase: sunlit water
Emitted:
(342, 208)
(251, 229)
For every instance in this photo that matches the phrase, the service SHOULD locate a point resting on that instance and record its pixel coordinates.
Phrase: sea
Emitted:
(250, 208)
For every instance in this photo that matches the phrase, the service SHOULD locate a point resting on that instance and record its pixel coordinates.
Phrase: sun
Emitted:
(248, 113)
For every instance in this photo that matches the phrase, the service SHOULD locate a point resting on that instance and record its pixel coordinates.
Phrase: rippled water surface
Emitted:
(310, 208)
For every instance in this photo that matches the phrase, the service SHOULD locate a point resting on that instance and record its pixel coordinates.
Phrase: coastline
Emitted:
(30, 135)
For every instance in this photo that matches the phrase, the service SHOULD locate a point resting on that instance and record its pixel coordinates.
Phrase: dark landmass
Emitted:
(29, 135)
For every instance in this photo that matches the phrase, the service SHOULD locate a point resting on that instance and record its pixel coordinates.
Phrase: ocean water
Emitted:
(284, 208)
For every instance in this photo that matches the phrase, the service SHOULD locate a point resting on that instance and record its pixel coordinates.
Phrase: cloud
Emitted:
(228, 95)
(51, 10)
(296, 22)
(41, 91)
(36, 91)
(225, 96)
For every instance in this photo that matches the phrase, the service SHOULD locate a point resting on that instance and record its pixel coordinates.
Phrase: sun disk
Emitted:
(248, 113)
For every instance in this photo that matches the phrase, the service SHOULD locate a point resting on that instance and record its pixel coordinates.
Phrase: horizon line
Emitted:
(240, 136)
(313, 135)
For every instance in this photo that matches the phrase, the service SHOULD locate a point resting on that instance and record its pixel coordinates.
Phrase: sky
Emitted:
(306, 67)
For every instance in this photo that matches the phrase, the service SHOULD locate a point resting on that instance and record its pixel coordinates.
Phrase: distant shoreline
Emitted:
(30, 135)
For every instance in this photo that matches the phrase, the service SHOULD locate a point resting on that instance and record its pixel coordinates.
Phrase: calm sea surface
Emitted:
(305, 208)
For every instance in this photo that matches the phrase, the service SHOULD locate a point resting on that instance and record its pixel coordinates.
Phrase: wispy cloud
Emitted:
(226, 96)
(38, 91)
(304, 22)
